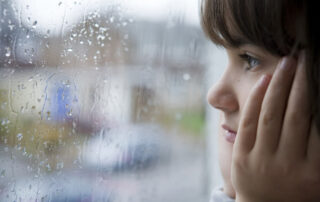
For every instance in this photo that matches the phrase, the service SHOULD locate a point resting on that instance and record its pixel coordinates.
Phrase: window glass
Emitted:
(102, 101)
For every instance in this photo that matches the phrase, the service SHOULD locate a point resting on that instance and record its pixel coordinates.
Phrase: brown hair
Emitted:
(274, 25)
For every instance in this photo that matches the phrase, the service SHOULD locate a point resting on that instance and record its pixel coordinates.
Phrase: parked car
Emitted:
(125, 148)
(71, 188)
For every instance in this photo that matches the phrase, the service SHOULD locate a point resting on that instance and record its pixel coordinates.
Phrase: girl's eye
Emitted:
(251, 61)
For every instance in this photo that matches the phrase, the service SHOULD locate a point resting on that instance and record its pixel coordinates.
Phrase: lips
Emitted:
(230, 135)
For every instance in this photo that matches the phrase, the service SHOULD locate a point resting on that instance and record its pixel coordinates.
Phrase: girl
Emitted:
(268, 98)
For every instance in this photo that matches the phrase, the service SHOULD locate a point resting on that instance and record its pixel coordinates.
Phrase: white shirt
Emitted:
(218, 195)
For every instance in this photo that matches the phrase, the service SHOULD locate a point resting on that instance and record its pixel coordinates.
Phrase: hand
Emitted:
(276, 153)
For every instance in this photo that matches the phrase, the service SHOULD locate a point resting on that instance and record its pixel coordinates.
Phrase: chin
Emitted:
(228, 189)
(225, 159)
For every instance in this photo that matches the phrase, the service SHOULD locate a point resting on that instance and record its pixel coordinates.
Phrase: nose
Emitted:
(222, 96)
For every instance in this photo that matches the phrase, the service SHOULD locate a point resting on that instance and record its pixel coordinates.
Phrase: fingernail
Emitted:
(287, 63)
(264, 80)
(302, 57)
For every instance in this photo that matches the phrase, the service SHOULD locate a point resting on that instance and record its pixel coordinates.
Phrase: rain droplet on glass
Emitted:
(111, 19)
(8, 52)
(186, 77)
(19, 136)
(34, 24)
(3, 173)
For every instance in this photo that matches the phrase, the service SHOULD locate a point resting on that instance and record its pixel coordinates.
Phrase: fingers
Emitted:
(249, 121)
(296, 125)
(313, 151)
(274, 106)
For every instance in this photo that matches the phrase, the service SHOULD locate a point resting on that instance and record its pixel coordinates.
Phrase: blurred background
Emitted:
(105, 100)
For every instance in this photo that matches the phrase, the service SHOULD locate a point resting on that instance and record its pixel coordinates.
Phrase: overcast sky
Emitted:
(46, 15)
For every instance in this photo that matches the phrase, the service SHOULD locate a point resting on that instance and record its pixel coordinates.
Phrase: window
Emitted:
(102, 101)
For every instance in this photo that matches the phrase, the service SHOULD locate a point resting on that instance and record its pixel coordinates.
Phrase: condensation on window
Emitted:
(102, 101)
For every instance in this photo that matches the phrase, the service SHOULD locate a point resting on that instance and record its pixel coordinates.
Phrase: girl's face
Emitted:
(246, 65)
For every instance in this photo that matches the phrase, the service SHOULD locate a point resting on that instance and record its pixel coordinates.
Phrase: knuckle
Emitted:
(240, 161)
(246, 123)
(286, 165)
(264, 168)
(312, 178)
(267, 118)
(293, 118)
(316, 167)
(286, 169)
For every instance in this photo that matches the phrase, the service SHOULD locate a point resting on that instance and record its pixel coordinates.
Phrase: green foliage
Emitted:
(192, 122)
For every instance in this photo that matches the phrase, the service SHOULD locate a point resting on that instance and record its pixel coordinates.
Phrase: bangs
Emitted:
(232, 23)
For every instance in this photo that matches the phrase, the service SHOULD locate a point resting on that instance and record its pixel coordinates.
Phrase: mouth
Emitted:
(229, 135)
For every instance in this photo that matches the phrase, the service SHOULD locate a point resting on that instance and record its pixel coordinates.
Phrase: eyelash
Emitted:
(251, 61)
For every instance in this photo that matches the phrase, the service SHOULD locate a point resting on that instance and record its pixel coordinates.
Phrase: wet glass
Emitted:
(102, 101)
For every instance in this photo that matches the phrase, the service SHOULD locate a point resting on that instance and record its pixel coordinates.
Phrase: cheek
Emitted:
(243, 90)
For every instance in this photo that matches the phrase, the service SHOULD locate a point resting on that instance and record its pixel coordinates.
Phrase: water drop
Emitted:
(34, 24)
(48, 167)
(3, 173)
(111, 19)
(60, 165)
(69, 113)
(101, 37)
(19, 136)
(11, 27)
(186, 77)
(8, 52)
(4, 12)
